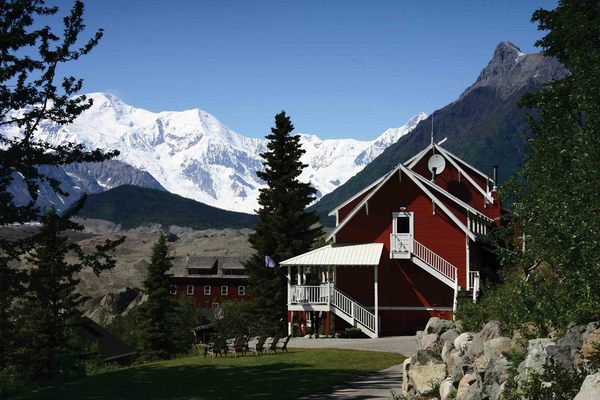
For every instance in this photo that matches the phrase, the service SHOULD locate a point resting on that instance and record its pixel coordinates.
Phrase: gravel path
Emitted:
(405, 345)
(377, 385)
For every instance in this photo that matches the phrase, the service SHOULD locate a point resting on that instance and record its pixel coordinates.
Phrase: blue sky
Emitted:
(339, 68)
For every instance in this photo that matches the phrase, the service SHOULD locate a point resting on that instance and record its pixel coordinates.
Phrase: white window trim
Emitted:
(409, 214)
(207, 290)
(224, 290)
(241, 290)
(188, 291)
(172, 289)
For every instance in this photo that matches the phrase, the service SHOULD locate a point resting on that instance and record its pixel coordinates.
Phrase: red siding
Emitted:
(459, 186)
(434, 230)
(347, 209)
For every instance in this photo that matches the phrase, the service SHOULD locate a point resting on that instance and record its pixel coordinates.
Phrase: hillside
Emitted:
(485, 126)
(132, 206)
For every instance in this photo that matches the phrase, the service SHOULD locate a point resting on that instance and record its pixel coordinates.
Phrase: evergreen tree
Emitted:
(284, 228)
(49, 308)
(554, 278)
(559, 203)
(161, 313)
(30, 58)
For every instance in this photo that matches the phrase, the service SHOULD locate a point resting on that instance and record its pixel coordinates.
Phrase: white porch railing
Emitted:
(473, 284)
(316, 294)
(436, 262)
(327, 294)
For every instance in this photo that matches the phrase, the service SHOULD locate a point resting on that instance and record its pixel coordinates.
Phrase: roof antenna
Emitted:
(432, 127)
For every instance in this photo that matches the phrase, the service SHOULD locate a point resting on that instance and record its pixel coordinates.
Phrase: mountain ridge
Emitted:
(193, 154)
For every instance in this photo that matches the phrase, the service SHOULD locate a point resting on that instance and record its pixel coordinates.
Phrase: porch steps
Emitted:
(353, 313)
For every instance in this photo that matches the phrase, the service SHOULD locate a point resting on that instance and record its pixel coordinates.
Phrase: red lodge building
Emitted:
(403, 249)
(208, 281)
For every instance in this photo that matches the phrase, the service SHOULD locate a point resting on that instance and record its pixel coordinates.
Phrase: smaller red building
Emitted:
(209, 281)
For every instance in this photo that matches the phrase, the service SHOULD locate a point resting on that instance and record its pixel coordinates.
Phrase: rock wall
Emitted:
(452, 364)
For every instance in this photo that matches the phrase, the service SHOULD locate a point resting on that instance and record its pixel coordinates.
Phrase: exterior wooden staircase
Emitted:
(326, 297)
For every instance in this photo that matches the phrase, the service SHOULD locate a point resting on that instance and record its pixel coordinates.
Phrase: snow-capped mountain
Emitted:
(191, 153)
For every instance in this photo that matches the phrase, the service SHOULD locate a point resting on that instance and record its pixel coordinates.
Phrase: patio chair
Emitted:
(283, 345)
(218, 347)
(273, 345)
(258, 347)
(239, 345)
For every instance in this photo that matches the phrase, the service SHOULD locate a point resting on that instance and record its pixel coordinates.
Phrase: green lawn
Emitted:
(280, 376)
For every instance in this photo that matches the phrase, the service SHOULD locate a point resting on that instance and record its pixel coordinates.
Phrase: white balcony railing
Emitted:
(305, 294)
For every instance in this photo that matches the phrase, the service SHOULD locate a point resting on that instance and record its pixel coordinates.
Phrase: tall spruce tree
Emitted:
(284, 229)
(160, 313)
(555, 273)
(559, 203)
(49, 308)
(31, 55)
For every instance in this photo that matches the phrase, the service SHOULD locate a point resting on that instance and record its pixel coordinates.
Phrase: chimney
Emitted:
(495, 188)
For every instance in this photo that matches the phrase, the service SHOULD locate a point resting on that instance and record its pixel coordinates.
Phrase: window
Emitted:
(241, 290)
(190, 289)
(224, 290)
(173, 289)
(403, 222)
(207, 290)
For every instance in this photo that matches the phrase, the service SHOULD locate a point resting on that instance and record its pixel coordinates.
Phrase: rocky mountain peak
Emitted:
(506, 56)
(510, 70)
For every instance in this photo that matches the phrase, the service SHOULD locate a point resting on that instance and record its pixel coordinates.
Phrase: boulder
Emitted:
(573, 339)
(429, 341)
(495, 392)
(496, 373)
(424, 357)
(590, 389)
(490, 331)
(536, 360)
(446, 389)
(463, 386)
(462, 339)
(497, 347)
(422, 377)
(405, 379)
(449, 336)
(592, 337)
(446, 348)
(438, 325)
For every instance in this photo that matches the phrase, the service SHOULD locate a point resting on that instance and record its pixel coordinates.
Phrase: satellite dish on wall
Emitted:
(436, 162)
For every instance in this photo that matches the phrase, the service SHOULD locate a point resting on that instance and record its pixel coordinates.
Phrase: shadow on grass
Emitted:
(266, 377)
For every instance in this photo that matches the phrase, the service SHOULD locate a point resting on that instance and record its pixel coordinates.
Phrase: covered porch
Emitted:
(312, 277)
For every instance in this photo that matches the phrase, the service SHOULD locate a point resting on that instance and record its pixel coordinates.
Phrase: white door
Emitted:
(402, 236)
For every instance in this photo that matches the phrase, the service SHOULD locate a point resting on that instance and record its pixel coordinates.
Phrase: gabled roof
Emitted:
(454, 161)
(402, 169)
(340, 255)
(455, 199)
(351, 199)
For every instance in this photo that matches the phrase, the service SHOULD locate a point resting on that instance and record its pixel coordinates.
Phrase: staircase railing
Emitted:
(351, 308)
(434, 261)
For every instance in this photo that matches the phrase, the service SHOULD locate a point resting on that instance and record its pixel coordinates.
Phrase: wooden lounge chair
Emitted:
(283, 345)
(239, 345)
(259, 346)
(273, 345)
(218, 347)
